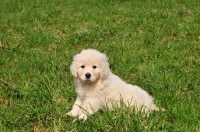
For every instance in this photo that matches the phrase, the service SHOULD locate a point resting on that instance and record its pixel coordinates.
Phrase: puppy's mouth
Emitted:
(88, 81)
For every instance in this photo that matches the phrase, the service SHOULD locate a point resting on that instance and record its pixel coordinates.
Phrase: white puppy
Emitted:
(97, 87)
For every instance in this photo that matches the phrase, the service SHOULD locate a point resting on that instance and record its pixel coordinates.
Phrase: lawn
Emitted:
(154, 44)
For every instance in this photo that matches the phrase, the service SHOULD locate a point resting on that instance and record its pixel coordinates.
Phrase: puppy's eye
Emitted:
(82, 66)
(94, 67)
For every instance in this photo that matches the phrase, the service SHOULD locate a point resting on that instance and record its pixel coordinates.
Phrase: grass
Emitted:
(151, 43)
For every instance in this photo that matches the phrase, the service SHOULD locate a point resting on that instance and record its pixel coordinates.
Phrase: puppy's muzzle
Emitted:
(87, 75)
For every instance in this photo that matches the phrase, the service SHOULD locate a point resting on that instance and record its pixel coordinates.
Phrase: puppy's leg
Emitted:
(88, 108)
(76, 107)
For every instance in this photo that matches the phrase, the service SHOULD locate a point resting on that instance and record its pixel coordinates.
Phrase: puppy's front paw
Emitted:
(82, 116)
(72, 113)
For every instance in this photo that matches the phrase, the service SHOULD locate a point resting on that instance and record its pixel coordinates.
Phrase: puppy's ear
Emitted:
(105, 70)
(73, 66)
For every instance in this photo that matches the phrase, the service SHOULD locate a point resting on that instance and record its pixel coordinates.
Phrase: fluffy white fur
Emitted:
(97, 87)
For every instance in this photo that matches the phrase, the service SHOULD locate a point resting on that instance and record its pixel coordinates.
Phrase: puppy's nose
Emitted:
(88, 75)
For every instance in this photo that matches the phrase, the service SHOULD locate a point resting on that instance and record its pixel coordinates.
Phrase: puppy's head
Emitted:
(90, 66)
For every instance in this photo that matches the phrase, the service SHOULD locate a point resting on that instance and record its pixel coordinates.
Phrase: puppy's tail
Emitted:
(155, 108)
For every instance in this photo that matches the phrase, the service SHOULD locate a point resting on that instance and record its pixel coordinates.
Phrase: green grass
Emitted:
(154, 44)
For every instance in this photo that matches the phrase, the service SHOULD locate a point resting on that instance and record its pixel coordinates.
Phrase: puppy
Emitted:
(97, 87)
